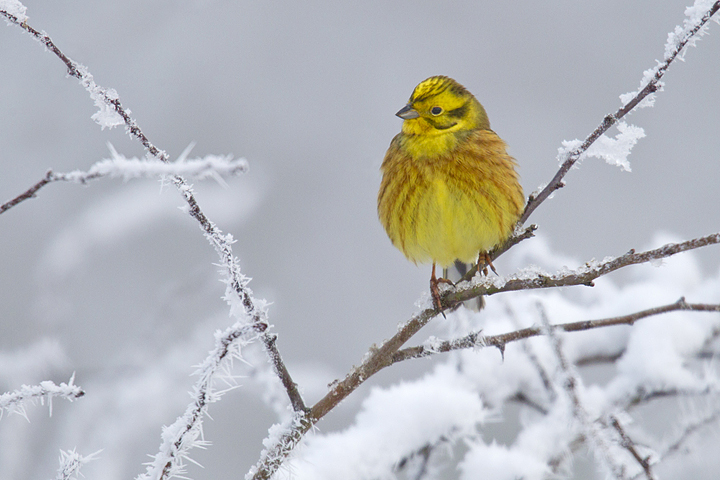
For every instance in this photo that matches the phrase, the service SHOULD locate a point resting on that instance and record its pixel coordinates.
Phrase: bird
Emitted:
(449, 190)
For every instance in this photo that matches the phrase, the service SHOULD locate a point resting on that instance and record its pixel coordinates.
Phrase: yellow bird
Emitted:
(449, 189)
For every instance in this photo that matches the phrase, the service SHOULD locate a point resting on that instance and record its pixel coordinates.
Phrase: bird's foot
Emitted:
(435, 291)
(486, 261)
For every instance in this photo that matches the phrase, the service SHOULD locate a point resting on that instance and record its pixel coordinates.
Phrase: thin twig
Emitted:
(29, 193)
(630, 446)
(478, 340)
(571, 382)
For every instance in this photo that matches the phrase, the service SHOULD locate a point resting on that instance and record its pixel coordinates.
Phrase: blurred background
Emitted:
(106, 279)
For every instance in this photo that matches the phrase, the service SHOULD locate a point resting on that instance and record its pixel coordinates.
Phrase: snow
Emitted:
(119, 166)
(501, 463)
(393, 423)
(614, 151)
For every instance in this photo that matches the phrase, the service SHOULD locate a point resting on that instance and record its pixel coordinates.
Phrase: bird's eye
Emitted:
(436, 110)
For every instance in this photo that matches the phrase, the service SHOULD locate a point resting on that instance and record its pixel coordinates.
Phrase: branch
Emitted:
(127, 168)
(14, 402)
(477, 340)
(653, 85)
(236, 281)
(630, 446)
(571, 380)
(71, 462)
(530, 279)
(183, 435)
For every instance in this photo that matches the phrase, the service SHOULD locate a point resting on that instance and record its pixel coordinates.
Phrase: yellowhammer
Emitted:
(449, 189)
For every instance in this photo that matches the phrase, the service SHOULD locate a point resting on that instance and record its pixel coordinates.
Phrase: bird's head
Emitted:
(441, 105)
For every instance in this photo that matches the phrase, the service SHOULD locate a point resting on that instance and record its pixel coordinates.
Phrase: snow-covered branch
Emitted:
(385, 355)
(119, 166)
(186, 432)
(71, 462)
(478, 340)
(532, 278)
(14, 402)
(575, 151)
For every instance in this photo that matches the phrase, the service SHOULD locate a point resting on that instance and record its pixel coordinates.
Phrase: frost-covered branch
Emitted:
(631, 447)
(651, 83)
(14, 402)
(533, 279)
(238, 295)
(478, 340)
(591, 429)
(71, 462)
(118, 166)
(186, 432)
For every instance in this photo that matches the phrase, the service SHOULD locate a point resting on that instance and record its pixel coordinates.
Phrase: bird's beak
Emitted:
(407, 112)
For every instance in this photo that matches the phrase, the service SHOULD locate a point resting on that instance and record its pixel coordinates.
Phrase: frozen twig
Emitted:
(591, 429)
(186, 432)
(14, 402)
(118, 166)
(674, 48)
(71, 462)
(478, 340)
(582, 276)
(630, 446)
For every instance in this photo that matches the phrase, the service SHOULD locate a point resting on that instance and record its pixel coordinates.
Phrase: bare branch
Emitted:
(630, 446)
(29, 193)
